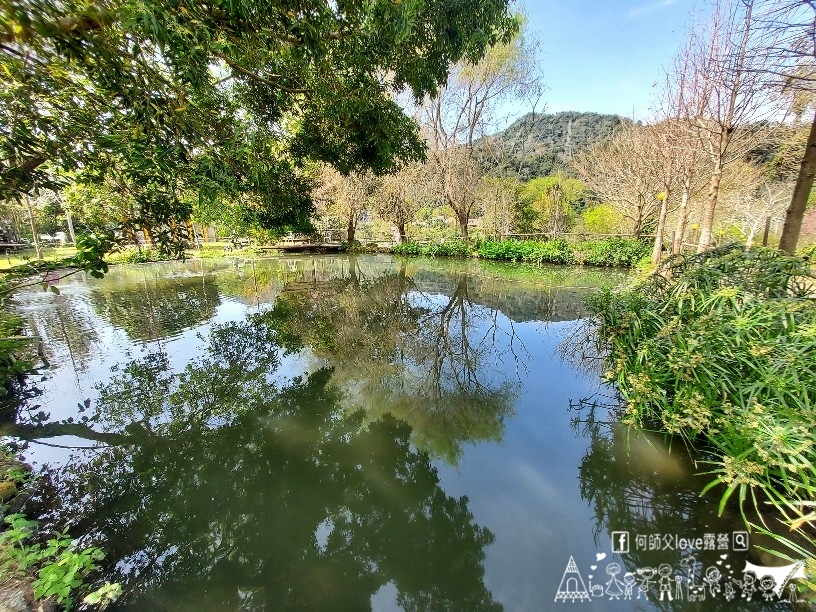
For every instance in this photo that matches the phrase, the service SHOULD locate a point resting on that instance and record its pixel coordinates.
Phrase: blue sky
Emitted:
(606, 55)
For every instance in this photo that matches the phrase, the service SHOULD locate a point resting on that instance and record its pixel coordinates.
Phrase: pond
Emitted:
(358, 432)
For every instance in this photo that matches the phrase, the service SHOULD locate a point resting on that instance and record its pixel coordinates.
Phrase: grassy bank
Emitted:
(720, 349)
(610, 252)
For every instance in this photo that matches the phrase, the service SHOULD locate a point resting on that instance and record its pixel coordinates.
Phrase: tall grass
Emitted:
(720, 349)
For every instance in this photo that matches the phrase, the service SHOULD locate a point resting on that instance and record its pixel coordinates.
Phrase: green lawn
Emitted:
(8, 260)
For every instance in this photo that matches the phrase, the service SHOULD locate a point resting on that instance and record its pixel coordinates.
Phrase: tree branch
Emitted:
(259, 78)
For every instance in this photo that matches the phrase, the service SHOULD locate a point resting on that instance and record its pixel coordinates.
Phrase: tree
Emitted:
(733, 94)
(618, 173)
(788, 27)
(462, 112)
(398, 197)
(501, 206)
(343, 198)
(750, 199)
(681, 155)
(223, 98)
(553, 202)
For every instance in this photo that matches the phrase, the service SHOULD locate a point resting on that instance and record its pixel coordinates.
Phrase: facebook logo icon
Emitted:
(620, 541)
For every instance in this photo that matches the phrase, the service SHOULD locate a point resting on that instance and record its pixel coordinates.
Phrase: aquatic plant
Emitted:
(720, 349)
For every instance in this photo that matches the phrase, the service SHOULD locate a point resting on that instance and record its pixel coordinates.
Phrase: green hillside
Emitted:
(541, 144)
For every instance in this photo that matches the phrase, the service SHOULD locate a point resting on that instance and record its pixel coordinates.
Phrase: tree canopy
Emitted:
(186, 99)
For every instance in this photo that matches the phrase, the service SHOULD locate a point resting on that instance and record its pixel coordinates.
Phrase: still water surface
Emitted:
(351, 433)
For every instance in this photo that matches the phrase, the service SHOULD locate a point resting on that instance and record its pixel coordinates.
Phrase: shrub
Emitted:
(557, 251)
(63, 567)
(407, 248)
(135, 255)
(809, 252)
(449, 248)
(720, 349)
(614, 252)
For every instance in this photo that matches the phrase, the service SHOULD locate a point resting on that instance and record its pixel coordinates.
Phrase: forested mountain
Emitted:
(541, 144)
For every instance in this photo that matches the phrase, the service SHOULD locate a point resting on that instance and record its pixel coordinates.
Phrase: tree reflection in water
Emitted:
(149, 306)
(429, 361)
(219, 488)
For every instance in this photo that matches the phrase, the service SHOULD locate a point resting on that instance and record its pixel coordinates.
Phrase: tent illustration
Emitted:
(781, 574)
(572, 585)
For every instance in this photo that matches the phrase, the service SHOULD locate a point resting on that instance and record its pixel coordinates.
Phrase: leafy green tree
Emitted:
(603, 219)
(553, 202)
(222, 98)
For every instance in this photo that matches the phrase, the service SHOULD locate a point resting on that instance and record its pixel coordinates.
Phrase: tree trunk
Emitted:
(403, 238)
(70, 223)
(34, 236)
(707, 225)
(682, 221)
(463, 225)
(657, 251)
(638, 224)
(801, 193)
(351, 230)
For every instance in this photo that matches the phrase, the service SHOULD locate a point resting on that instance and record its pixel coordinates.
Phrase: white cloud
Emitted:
(649, 7)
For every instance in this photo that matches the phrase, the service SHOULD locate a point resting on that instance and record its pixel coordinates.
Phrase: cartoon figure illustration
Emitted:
(712, 579)
(729, 591)
(646, 574)
(747, 584)
(697, 593)
(690, 565)
(613, 587)
(628, 585)
(665, 581)
(767, 586)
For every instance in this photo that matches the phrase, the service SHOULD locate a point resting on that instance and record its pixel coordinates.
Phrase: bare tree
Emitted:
(618, 171)
(681, 101)
(789, 30)
(733, 93)
(466, 110)
(399, 196)
(498, 200)
(343, 198)
(749, 200)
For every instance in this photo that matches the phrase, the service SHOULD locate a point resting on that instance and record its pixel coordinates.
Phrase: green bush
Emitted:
(557, 251)
(447, 248)
(603, 219)
(13, 350)
(625, 252)
(63, 567)
(614, 252)
(809, 252)
(408, 248)
(136, 255)
(720, 349)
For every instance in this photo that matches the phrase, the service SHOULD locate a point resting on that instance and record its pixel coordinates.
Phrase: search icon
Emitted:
(740, 541)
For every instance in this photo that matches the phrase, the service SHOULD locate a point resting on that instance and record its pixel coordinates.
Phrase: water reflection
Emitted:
(317, 449)
(148, 309)
(221, 489)
(636, 485)
(428, 360)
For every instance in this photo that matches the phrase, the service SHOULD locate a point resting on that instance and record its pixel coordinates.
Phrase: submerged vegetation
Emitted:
(720, 350)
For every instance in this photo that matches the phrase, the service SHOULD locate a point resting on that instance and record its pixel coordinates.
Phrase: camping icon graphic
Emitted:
(572, 585)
